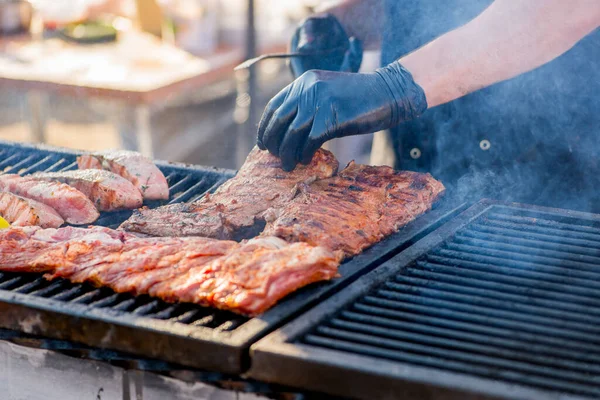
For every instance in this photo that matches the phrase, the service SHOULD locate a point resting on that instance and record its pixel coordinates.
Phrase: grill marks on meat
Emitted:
(355, 209)
(134, 167)
(72, 205)
(347, 212)
(246, 278)
(20, 211)
(107, 190)
(236, 210)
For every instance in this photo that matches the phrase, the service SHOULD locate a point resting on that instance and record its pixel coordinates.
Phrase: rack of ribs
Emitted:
(354, 209)
(236, 209)
(246, 278)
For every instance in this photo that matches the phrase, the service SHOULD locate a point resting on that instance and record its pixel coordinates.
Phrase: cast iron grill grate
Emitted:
(180, 333)
(185, 184)
(514, 295)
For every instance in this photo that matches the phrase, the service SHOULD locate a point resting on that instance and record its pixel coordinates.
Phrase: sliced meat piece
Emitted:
(20, 211)
(72, 205)
(236, 209)
(355, 209)
(107, 190)
(245, 278)
(132, 166)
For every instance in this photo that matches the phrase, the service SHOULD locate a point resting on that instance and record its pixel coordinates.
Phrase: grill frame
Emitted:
(192, 346)
(281, 358)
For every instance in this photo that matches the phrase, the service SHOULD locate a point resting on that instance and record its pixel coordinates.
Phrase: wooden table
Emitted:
(138, 71)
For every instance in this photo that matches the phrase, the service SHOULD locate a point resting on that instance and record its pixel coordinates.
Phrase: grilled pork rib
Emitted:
(72, 205)
(107, 190)
(20, 211)
(355, 209)
(134, 167)
(236, 210)
(245, 278)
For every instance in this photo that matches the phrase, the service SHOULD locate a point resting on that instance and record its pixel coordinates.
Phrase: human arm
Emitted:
(508, 38)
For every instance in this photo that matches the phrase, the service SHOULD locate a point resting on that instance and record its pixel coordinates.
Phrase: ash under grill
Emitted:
(186, 334)
(503, 302)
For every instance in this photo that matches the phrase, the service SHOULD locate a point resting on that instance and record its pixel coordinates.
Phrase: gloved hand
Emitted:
(322, 105)
(325, 35)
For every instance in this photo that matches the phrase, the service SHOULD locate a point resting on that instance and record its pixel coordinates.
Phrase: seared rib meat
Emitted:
(252, 277)
(246, 278)
(19, 211)
(134, 167)
(107, 190)
(236, 209)
(72, 205)
(355, 209)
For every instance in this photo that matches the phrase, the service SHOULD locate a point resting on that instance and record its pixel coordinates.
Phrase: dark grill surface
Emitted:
(182, 333)
(513, 296)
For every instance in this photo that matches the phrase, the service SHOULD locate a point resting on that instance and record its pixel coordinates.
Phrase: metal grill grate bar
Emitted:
(455, 251)
(552, 229)
(444, 348)
(580, 260)
(461, 344)
(476, 314)
(571, 298)
(497, 296)
(369, 312)
(445, 363)
(529, 237)
(502, 339)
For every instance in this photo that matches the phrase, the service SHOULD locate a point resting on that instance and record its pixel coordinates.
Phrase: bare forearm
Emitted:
(509, 38)
(360, 18)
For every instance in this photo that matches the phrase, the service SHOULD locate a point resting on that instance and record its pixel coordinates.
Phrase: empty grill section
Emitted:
(514, 295)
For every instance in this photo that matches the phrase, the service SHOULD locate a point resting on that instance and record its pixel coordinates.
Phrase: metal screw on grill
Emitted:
(415, 153)
(485, 145)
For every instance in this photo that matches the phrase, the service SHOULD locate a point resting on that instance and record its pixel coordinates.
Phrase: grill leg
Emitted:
(37, 107)
(143, 130)
(246, 110)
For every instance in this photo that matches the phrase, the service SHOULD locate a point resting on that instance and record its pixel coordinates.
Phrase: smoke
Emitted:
(533, 138)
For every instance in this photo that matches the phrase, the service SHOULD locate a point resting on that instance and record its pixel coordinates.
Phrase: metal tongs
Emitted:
(252, 61)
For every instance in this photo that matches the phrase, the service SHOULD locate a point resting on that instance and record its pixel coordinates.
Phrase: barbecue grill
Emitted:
(501, 302)
(185, 334)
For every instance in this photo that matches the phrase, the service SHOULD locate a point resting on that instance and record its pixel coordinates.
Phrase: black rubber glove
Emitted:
(322, 105)
(323, 34)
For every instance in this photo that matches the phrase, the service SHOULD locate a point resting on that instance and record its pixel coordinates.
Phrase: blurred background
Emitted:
(149, 75)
